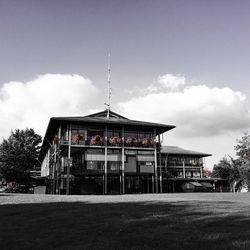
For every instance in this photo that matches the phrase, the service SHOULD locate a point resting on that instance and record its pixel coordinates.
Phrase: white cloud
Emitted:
(207, 119)
(171, 82)
(196, 111)
(31, 104)
(167, 82)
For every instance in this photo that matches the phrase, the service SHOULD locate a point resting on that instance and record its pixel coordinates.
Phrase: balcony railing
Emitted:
(187, 164)
(78, 169)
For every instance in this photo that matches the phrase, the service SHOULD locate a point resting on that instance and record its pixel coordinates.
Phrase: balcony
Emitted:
(114, 141)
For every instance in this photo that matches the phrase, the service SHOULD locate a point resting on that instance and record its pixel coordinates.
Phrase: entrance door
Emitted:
(147, 184)
(114, 185)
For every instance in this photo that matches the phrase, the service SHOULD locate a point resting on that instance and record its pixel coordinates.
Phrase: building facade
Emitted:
(182, 171)
(106, 153)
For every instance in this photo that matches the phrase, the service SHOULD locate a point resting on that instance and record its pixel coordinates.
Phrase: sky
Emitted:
(176, 62)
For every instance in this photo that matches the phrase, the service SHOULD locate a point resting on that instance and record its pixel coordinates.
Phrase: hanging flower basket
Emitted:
(194, 163)
(131, 141)
(147, 142)
(96, 140)
(138, 143)
(115, 141)
(77, 137)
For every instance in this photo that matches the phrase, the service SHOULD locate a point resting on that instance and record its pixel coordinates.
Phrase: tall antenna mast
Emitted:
(109, 87)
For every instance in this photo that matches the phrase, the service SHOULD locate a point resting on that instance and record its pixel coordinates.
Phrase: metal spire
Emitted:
(109, 88)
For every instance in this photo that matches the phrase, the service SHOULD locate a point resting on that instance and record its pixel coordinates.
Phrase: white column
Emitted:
(105, 161)
(159, 141)
(184, 170)
(69, 156)
(123, 163)
(153, 184)
(58, 161)
(155, 154)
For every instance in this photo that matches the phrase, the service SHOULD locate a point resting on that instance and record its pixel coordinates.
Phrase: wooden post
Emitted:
(69, 156)
(105, 161)
(153, 184)
(120, 181)
(184, 170)
(103, 184)
(58, 160)
(159, 141)
(166, 164)
(166, 170)
(201, 169)
(51, 174)
(155, 154)
(123, 163)
(54, 169)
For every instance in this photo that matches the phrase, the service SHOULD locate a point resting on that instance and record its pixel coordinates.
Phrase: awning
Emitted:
(196, 184)
(207, 184)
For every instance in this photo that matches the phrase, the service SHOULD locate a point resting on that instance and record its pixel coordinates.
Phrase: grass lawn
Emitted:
(150, 221)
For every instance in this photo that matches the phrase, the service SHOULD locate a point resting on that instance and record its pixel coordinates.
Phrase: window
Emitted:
(78, 160)
(196, 174)
(178, 174)
(95, 165)
(114, 138)
(130, 134)
(95, 136)
(78, 136)
(114, 165)
(65, 135)
(114, 133)
(175, 161)
(94, 131)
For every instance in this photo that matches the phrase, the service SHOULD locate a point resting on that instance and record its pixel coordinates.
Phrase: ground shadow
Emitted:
(138, 225)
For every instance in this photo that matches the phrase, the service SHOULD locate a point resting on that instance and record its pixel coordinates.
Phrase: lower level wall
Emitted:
(134, 184)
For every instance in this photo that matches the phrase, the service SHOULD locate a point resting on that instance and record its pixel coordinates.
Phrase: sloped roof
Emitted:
(114, 119)
(174, 150)
(105, 114)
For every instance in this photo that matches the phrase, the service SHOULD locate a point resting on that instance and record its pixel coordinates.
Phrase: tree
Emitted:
(228, 169)
(243, 147)
(236, 171)
(243, 152)
(18, 155)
